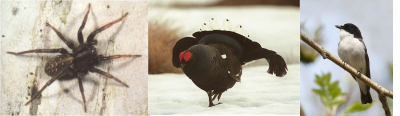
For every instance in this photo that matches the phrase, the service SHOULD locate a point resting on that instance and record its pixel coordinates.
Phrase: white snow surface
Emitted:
(258, 93)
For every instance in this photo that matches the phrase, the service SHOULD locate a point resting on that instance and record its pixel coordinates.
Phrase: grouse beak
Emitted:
(183, 65)
(237, 79)
(338, 26)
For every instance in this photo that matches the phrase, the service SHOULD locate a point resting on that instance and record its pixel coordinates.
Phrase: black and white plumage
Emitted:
(213, 58)
(352, 50)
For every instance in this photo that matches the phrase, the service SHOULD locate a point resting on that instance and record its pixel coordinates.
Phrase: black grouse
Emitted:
(213, 59)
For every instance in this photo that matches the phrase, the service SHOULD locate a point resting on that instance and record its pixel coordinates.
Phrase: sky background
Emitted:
(375, 21)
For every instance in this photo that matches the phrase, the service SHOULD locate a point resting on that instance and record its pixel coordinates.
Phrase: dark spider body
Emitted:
(56, 65)
(72, 63)
(78, 63)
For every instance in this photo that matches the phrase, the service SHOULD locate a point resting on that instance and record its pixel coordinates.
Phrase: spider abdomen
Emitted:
(57, 64)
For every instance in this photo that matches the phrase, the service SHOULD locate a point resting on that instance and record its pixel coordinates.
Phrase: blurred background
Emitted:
(266, 21)
(318, 20)
(272, 23)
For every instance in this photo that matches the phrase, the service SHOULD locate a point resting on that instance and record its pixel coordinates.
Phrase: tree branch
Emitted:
(383, 92)
(385, 105)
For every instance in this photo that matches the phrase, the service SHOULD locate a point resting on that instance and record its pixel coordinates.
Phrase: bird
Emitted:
(214, 57)
(352, 51)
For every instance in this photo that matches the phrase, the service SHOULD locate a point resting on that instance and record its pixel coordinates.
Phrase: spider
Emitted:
(78, 63)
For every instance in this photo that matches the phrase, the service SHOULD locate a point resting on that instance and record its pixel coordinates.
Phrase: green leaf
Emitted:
(357, 107)
(338, 102)
(326, 101)
(319, 92)
(319, 81)
(330, 93)
(326, 78)
(335, 93)
(307, 54)
(333, 85)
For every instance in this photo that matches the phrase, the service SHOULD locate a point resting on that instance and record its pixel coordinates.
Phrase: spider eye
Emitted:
(187, 56)
(180, 56)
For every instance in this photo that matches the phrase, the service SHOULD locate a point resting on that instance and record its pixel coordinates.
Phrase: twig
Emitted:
(385, 105)
(302, 112)
(383, 92)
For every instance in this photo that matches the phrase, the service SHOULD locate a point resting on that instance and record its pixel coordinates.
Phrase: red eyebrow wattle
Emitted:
(187, 56)
(180, 56)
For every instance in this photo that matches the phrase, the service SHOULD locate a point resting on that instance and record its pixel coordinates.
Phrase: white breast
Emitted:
(352, 51)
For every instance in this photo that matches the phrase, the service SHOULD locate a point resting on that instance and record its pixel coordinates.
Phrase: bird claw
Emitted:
(211, 105)
(359, 73)
(344, 63)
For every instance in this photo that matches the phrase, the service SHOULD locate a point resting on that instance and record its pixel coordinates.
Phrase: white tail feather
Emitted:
(245, 34)
(226, 25)
(214, 24)
(205, 27)
(239, 29)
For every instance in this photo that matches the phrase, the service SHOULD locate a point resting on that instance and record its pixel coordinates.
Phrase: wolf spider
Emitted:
(78, 63)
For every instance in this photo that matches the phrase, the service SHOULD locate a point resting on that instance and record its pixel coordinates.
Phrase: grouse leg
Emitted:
(215, 96)
(219, 97)
(210, 103)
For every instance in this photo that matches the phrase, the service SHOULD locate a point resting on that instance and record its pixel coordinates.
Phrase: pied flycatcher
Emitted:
(353, 51)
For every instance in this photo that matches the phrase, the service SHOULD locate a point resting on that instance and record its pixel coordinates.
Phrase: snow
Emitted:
(258, 93)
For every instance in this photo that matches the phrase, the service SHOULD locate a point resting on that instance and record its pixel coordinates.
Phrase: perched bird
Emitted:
(213, 58)
(352, 50)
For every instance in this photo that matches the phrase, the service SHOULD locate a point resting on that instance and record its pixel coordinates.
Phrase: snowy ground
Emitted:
(258, 93)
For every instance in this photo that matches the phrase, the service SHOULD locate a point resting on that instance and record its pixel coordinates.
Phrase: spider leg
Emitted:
(107, 75)
(102, 58)
(60, 50)
(69, 44)
(80, 36)
(47, 84)
(81, 89)
(91, 36)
